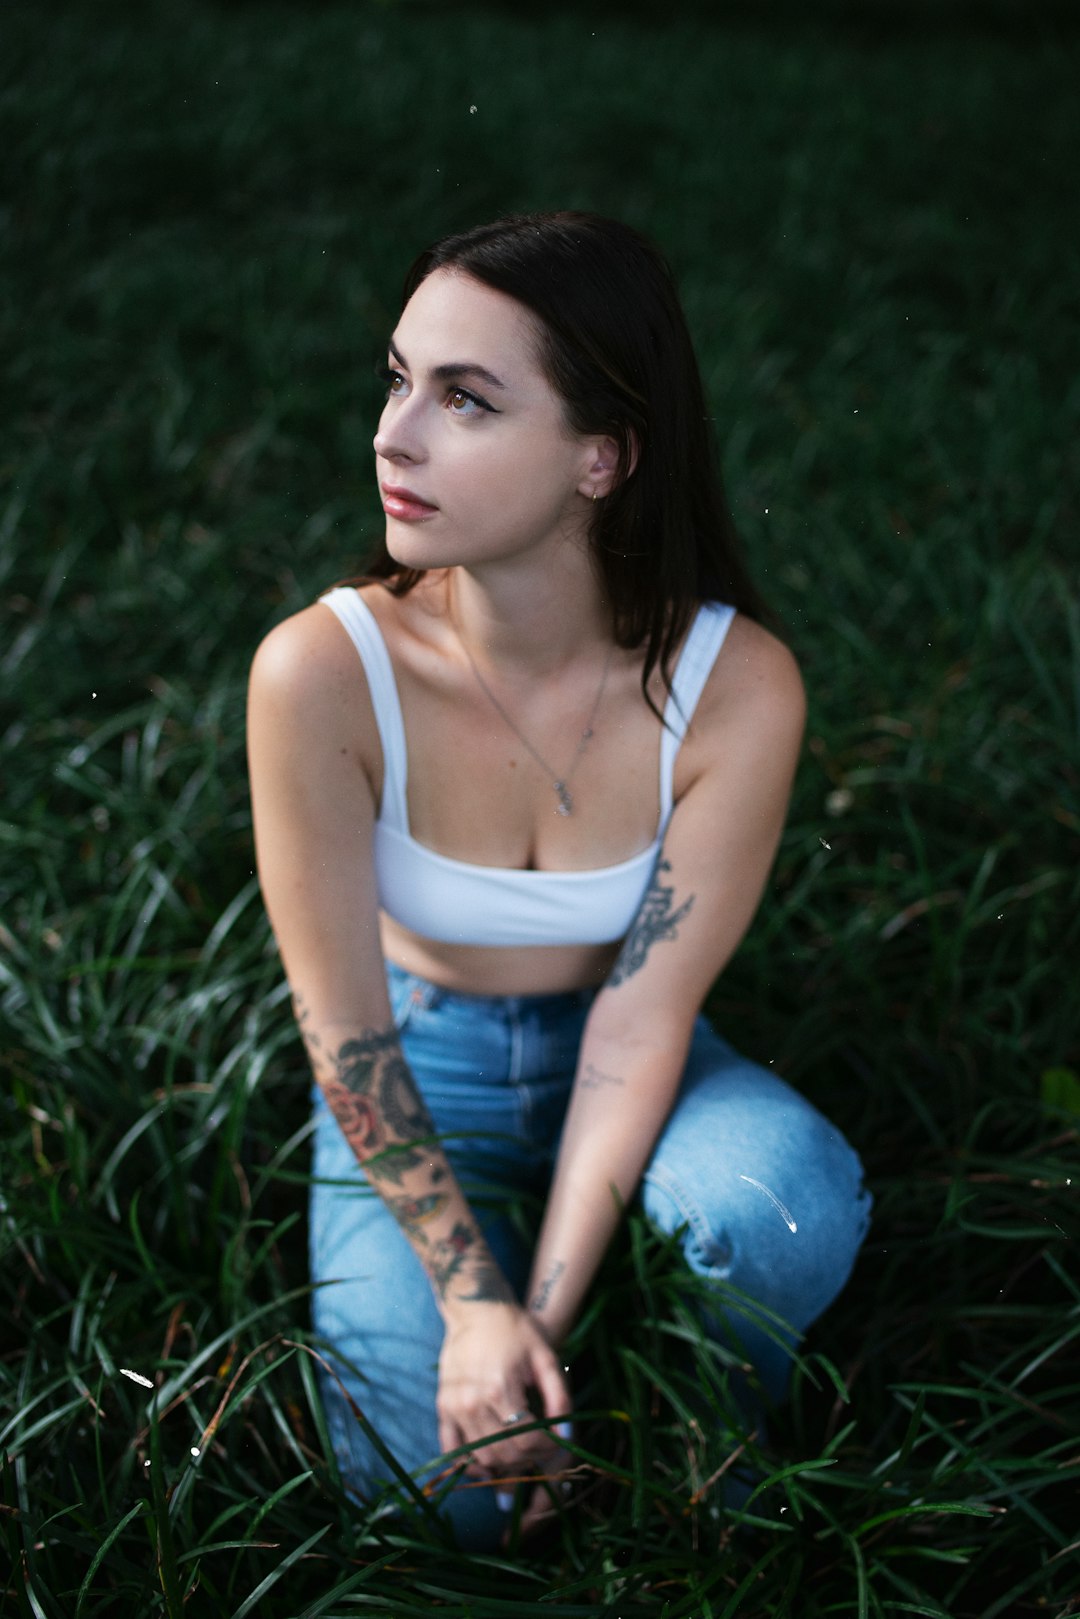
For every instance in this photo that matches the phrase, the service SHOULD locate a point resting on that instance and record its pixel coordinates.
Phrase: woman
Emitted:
(516, 798)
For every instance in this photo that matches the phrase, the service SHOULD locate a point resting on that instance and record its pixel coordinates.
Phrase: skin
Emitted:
(658, 919)
(511, 581)
(510, 483)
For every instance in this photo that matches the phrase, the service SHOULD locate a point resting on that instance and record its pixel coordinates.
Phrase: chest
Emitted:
(482, 772)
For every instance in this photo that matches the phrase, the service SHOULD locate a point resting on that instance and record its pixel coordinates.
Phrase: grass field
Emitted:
(208, 209)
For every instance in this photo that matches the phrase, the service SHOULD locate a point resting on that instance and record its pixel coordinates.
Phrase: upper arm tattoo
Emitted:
(655, 920)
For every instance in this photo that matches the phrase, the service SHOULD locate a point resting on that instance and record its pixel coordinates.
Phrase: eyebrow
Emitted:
(451, 369)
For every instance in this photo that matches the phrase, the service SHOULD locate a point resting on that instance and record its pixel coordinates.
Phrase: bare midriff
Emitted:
(497, 970)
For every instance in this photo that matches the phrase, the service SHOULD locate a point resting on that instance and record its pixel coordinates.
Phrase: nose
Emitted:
(398, 437)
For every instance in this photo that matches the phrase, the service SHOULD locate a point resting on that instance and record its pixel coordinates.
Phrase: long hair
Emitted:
(614, 344)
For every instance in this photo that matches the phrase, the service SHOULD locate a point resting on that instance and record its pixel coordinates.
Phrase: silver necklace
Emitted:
(560, 784)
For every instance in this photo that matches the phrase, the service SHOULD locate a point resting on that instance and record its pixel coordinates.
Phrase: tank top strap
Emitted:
(699, 652)
(363, 630)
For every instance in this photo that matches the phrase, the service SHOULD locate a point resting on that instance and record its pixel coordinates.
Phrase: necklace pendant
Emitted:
(566, 803)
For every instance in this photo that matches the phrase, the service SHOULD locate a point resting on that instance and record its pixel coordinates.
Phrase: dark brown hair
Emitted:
(614, 344)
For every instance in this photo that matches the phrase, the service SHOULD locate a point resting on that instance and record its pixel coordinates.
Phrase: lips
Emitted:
(403, 506)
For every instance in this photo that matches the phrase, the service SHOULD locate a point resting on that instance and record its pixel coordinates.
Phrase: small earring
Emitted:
(594, 494)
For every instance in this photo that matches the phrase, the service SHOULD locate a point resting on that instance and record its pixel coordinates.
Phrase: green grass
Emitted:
(208, 211)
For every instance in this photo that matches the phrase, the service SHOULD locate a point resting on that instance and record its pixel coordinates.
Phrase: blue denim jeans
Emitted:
(766, 1194)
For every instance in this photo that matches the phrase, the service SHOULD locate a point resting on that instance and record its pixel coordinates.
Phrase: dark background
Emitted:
(207, 211)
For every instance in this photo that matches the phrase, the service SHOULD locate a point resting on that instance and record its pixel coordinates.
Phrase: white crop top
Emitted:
(455, 902)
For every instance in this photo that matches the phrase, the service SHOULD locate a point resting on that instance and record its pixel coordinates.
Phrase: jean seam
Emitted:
(693, 1215)
(517, 1043)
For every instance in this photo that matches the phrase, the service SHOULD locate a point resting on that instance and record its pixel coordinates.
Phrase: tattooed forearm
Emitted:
(448, 1256)
(592, 1078)
(412, 1212)
(393, 1162)
(465, 1255)
(359, 1122)
(543, 1292)
(489, 1285)
(655, 920)
(375, 1100)
(402, 1104)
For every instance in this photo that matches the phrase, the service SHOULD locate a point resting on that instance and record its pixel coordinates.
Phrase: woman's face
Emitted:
(473, 429)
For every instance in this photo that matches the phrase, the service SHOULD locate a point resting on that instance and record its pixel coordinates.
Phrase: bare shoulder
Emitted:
(304, 654)
(308, 683)
(754, 696)
(755, 667)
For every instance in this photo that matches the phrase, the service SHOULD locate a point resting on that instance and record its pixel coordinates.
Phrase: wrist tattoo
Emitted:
(448, 1256)
(543, 1292)
(489, 1285)
(655, 920)
(593, 1078)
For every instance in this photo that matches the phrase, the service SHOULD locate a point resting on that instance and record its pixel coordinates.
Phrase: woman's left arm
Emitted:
(708, 881)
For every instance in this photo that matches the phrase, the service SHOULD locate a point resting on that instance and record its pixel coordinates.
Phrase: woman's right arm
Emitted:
(312, 740)
(313, 810)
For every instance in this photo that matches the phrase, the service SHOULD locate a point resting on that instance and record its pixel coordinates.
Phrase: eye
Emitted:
(458, 399)
(470, 399)
(388, 376)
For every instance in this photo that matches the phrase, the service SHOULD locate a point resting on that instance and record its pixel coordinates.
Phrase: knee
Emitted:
(779, 1212)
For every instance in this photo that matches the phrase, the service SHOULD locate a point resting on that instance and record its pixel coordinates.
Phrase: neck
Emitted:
(529, 617)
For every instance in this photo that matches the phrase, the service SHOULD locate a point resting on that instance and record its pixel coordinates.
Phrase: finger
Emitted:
(546, 1455)
(521, 1446)
(489, 1460)
(500, 1448)
(553, 1387)
(519, 1440)
(531, 1454)
(450, 1435)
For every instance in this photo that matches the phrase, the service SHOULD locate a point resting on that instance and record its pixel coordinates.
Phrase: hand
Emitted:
(493, 1354)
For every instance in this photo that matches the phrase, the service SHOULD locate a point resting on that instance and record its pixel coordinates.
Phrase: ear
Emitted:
(603, 465)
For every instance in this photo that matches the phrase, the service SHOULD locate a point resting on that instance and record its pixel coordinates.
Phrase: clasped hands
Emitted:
(493, 1354)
